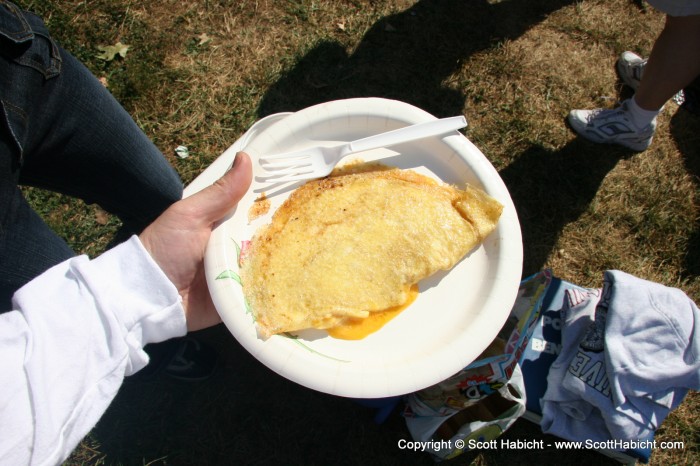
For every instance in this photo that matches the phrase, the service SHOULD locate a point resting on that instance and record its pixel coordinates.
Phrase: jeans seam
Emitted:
(8, 105)
(50, 70)
(27, 32)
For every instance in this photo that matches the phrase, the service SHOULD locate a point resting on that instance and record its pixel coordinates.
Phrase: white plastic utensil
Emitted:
(317, 162)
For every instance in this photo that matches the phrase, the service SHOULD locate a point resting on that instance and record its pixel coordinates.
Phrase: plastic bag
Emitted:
(479, 403)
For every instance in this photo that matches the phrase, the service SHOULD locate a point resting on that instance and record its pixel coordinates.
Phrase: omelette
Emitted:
(357, 242)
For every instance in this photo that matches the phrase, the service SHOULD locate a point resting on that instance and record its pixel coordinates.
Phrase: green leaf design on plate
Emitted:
(295, 339)
(238, 252)
(229, 274)
(248, 310)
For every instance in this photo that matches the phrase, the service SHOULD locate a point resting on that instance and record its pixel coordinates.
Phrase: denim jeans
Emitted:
(61, 129)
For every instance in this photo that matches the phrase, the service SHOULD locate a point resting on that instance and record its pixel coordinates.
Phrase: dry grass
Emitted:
(199, 73)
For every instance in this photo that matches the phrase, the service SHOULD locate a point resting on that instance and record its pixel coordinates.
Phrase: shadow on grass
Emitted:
(246, 414)
(406, 56)
(685, 129)
(551, 189)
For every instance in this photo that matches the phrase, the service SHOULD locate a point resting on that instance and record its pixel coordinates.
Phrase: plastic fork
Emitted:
(317, 162)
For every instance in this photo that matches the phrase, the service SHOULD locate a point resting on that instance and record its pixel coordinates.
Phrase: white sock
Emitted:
(640, 117)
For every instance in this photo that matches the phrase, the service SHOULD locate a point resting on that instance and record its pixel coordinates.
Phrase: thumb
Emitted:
(215, 201)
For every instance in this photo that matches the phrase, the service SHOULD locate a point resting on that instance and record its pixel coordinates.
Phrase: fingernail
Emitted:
(233, 164)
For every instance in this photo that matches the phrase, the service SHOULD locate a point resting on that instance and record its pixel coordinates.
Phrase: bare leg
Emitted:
(673, 64)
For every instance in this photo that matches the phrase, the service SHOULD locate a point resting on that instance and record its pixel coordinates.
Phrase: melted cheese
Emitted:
(357, 328)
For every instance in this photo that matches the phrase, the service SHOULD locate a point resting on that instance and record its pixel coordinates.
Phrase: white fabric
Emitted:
(652, 339)
(630, 352)
(73, 335)
(639, 116)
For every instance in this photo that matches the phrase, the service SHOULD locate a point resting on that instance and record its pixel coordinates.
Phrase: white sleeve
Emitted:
(73, 335)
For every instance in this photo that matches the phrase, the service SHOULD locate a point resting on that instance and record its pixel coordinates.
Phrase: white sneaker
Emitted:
(630, 67)
(612, 127)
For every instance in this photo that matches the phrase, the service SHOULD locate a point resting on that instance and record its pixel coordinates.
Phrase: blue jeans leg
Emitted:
(61, 129)
(92, 149)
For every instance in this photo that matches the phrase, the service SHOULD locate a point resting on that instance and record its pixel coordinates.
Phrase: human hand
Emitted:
(178, 238)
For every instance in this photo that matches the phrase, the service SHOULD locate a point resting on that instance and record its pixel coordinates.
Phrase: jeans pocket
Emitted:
(25, 40)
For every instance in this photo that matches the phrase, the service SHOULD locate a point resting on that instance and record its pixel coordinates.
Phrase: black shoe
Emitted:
(192, 361)
(183, 358)
(159, 354)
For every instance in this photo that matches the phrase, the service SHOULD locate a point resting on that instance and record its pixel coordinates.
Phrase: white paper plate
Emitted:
(457, 314)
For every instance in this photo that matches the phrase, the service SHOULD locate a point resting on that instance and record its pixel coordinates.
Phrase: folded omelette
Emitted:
(354, 243)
